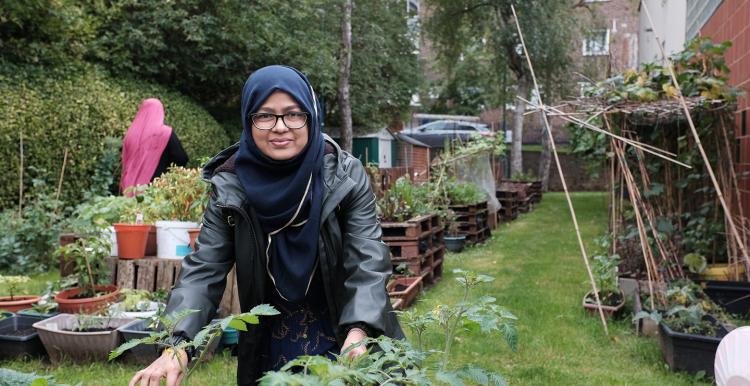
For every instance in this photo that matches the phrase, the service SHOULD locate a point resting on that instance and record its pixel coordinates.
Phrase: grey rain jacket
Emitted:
(354, 263)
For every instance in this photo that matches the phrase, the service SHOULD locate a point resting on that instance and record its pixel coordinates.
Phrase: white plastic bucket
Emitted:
(109, 233)
(172, 239)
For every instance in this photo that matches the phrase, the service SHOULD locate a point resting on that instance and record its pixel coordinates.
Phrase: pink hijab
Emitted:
(143, 145)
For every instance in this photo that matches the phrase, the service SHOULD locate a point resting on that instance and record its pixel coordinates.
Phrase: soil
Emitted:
(609, 299)
(86, 296)
(399, 288)
(92, 329)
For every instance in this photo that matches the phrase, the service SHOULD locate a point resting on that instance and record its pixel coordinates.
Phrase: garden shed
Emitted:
(415, 154)
(377, 148)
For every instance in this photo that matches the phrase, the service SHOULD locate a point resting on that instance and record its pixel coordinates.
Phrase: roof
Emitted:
(410, 140)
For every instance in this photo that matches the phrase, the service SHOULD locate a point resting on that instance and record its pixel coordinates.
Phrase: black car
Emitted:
(435, 133)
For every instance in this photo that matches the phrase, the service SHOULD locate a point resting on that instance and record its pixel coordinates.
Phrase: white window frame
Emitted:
(589, 45)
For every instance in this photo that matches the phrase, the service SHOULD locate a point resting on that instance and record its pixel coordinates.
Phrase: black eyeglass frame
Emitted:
(276, 120)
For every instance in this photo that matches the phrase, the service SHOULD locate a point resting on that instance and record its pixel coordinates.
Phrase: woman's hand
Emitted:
(355, 335)
(169, 365)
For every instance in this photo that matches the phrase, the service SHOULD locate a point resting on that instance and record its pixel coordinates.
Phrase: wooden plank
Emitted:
(125, 274)
(112, 267)
(146, 274)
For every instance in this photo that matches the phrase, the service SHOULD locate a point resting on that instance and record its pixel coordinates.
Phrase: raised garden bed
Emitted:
(688, 352)
(18, 337)
(734, 296)
(413, 229)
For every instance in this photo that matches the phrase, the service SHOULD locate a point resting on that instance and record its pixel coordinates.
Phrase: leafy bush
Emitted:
(464, 193)
(405, 200)
(77, 106)
(28, 238)
(90, 266)
(177, 195)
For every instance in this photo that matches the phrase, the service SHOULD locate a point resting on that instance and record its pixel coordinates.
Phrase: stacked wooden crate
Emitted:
(418, 245)
(153, 273)
(472, 221)
(525, 199)
(535, 191)
(509, 197)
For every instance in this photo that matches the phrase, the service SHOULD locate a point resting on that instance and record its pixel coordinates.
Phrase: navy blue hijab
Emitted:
(279, 190)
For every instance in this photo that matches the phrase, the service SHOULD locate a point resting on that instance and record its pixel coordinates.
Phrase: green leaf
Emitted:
(449, 377)
(238, 324)
(264, 310)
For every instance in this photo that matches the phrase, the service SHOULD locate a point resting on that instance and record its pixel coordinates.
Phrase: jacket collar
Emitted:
(219, 171)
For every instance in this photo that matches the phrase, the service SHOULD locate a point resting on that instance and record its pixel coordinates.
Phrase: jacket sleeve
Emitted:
(202, 279)
(366, 259)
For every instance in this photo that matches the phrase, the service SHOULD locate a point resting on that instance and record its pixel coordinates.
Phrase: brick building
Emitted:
(728, 20)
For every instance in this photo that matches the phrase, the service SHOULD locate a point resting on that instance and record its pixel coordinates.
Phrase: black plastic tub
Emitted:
(734, 296)
(143, 353)
(688, 352)
(19, 338)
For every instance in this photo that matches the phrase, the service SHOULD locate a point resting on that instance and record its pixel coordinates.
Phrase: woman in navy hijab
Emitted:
(297, 216)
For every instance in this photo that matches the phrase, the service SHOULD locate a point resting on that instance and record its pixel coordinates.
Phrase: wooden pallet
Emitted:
(413, 229)
(479, 236)
(416, 265)
(462, 210)
(153, 273)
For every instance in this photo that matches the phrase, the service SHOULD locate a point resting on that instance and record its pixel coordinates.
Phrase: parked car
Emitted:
(435, 133)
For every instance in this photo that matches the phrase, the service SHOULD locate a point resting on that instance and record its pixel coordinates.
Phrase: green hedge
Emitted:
(78, 106)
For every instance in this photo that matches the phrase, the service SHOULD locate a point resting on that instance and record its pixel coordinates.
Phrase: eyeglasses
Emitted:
(267, 121)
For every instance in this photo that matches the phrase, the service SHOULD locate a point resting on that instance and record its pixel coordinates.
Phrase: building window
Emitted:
(412, 9)
(597, 43)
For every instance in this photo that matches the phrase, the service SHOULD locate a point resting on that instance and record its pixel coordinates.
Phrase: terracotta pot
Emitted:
(132, 240)
(18, 303)
(193, 233)
(67, 303)
(151, 242)
(609, 311)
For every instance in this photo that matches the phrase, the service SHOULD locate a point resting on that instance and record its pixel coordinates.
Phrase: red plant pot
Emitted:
(18, 303)
(132, 240)
(67, 302)
(193, 233)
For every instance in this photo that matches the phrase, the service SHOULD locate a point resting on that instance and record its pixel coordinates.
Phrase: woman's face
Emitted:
(280, 143)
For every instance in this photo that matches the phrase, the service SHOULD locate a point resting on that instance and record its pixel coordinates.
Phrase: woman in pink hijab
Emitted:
(149, 147)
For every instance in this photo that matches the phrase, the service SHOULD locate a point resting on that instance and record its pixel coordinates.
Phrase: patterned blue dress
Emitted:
(302, 328)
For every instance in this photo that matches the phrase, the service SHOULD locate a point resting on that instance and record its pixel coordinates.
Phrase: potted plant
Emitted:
(15, 302)
(90, 295)
(18, 338)
(604, 269)
(80, 337)
(133, 232)
(178, 199)
(690, 327)
(135, 303)
(454, 239)
(46, 307)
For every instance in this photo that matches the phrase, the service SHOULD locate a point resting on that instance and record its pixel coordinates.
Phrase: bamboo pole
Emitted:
(20, 173)
(62, 176)
(642, 146)
(562, 176)
(698, 142)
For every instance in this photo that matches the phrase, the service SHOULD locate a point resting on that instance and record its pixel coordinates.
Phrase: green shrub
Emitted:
(78, 106)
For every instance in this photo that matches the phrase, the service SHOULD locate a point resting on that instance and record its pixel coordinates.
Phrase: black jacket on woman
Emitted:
(354, 263)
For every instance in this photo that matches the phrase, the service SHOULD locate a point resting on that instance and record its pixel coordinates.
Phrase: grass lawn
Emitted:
(539, 276)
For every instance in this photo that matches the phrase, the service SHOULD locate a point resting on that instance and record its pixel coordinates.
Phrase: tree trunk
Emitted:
(345, 65)
(516, 154)
(546, 157)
